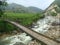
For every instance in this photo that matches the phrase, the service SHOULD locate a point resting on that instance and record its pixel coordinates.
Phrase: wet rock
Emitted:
(19, 43)
(34, 42)
(58, 39)
(14, 32)
(53, 32)
(56, 22)
(34, 24)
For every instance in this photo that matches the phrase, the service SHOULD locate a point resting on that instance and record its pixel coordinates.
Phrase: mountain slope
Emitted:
(21, 9)
(16, 8)
(57, 2)
(34, 9)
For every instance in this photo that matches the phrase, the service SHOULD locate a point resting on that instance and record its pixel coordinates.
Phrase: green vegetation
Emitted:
(25, 19)
(57, 2)
(57, 9)
(6, 27)
(2, 7)
(53, 13)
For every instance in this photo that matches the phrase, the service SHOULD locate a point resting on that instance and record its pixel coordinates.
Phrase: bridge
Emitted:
(36, 35)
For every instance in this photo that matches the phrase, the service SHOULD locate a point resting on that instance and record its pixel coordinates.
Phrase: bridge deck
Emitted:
(35, 35)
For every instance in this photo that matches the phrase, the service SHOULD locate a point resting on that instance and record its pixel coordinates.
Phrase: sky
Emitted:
(42, 4)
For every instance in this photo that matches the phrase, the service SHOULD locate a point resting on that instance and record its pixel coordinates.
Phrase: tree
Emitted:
(3, 3)
(3, 23)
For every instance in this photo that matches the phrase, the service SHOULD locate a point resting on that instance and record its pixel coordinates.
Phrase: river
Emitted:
(41, 26)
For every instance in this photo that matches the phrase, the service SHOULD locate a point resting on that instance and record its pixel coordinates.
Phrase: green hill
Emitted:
(21, 9)
(57, 2)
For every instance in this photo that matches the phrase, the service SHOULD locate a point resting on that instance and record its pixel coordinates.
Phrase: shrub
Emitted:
(53, 13)
(6, 27)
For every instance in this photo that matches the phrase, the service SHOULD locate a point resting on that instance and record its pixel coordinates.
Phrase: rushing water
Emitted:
(44, 24)
(22, 38)
(41, 27)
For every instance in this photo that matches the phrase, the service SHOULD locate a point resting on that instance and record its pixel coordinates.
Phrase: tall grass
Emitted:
(25, 19)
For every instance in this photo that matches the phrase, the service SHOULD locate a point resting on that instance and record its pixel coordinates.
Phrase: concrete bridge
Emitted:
(36, 35)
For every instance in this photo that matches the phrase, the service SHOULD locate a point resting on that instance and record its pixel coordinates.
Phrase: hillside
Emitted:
(57, 2)
(34, 9)
(16, 8)
(21, 9)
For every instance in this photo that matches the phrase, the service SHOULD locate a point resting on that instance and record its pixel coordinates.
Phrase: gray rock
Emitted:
(56, 22)
(19, 43)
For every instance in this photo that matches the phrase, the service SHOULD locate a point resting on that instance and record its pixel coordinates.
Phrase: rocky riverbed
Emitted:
(49, 26)
(43, 25)
(54, 30)
(19, 39)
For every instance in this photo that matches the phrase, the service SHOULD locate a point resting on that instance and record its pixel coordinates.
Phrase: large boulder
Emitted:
(56, 22)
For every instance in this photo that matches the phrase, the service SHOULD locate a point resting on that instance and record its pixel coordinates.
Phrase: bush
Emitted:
(57, 10)
(53, 13)
(6, 27)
